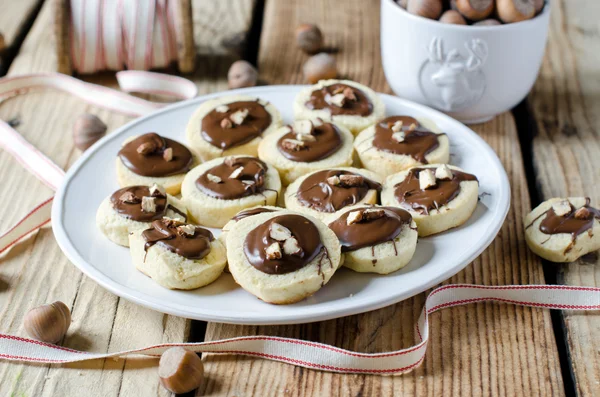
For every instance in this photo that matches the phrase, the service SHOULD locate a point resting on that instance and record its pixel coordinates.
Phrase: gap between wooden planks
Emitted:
(36, 271)
(483, 349)
(566, 156)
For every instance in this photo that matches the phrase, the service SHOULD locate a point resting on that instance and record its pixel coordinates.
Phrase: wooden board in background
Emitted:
(477, 350)
(14, 17)
(36, 272)
(564, 104)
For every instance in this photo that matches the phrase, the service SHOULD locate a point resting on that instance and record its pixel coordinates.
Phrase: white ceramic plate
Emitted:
(92, 178)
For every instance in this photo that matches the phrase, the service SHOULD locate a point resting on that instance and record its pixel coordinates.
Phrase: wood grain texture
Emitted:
(479, 350)
(36, 271)
(14, 16)
(565, 103)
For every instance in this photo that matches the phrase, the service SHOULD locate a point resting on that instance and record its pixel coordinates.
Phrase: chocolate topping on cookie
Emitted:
(404, 135)
(410, 194)
(340, 99)
(332, 190)
(283, 244)
(189, 241)
(307, 142)
(235, 123)
(251, 212)
(235, 178)
(127, 202)
(367, 227)
(155, 156)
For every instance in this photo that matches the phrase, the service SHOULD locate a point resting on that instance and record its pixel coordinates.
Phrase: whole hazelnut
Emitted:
(402, 3)
(87, 130)
(320, 67)
(309, 38)
(48, 323)
(475, 10)
(242, 74)
(453, 17)
(431, 9)
(510, 11)
(180, 370)
(488, 22)
(538, 5)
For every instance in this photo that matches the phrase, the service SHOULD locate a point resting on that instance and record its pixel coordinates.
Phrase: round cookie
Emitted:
(215, 191)
(133, 208)
(438, 196)
(343, 102)
(324, 194)
(563, 229)
(177, 255)
(282, 257)
(245, 214)
(231, 125)
(152, 159)
(306, 146)
(399, 142)
(376, 239)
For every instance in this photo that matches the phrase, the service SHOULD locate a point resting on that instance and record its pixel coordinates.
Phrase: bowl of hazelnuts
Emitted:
(472, 59)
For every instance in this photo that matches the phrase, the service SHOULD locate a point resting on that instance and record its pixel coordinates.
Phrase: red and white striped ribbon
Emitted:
(44, 168)
(329, 358)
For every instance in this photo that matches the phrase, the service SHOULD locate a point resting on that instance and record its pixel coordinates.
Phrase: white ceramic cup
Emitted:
(471, 73)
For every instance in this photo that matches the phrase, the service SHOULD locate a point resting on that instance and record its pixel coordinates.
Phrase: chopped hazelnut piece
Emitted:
(336, 100)
(412, 127)
(279, 232)
(426, 179)
(398, 136)
(239, 116)
(333, 180)
(188, 230)
(148, 204)
(304, 127)
(146, 148)
(226, 123)
(562, 208)
(168, 154)
(229, 161)
(443, 172)
(237, 172)
(397, 126)
(354, 217)
(157, 191)
(317, 122)
(247, 184)
(292, 144)
(291, 246)
(373, 213)
(129, 198)
(349, 94)
(172, 222)
(306, 138)
(273, 251)
(351, 180)
(213, 178)
(222, 108)
(583, 214)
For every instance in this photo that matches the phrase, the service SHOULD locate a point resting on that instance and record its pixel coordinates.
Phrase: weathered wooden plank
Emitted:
(484, 349)
(566, 155)
(14, 17)
(37, 272)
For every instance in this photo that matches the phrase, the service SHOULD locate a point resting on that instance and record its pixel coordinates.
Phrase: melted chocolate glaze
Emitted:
(316, 193)
(133, 210)
(362, 106)
(254, 171)
(368, 233)
(417, 143)
(251, 212)
(153, 164)
(257, 121)
(328, 141)
(302, 229)
(409, 193)
(165, 234)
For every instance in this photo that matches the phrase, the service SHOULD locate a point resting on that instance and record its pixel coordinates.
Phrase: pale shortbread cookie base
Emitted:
(117, 228)
(453, 214)
(281, 288)
(292, 202)
(172, 183)
(207, 151)
(387, 258)
(291, 170)
(174, 271)
(214, 212)
(385, 163)
(552, 246)
(354, 123)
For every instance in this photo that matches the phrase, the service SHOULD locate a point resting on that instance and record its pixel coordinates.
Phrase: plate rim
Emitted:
(278, 318)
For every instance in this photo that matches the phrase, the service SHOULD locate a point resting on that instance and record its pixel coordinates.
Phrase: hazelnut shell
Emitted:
(180, 370)
(309, 38)
(242, 74)
(87, 130)
(431, 9)
(48, 323)
(320, 67)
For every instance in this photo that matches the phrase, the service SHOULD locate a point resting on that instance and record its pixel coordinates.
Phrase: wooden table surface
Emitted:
(549, 146)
